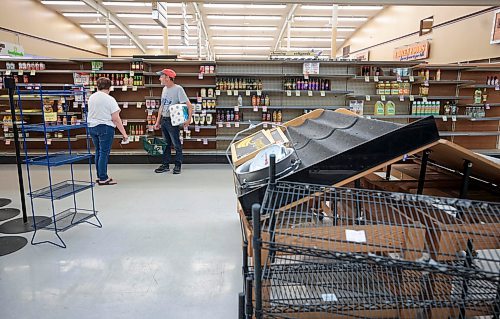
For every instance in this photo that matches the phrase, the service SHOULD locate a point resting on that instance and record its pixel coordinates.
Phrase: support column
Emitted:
(335, 14)
(423, 169)
(165, 41)
(465, 179)
(108, 40)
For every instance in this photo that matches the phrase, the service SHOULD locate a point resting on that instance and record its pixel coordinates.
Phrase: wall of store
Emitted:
(464, 40)
(43, 23)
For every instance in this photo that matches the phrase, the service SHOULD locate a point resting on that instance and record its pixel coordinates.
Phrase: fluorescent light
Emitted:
(96, 26)
(313, 7)
(148, 15)
(240, 28)
(111, 36)
(64, 3)
(173, 47)
(137, 4)
(81, 14)
(328, 19)
(248, 56)
(307, 29)
(153, 26)
(243, 17)
(303, 39)
(361, 7)
(244, 38)
(122, 46)
(232, 47)
(243, 6)
(160, 37)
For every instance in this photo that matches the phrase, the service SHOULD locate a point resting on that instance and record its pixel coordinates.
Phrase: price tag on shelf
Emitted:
(112, 88)
(402, 98)
(445, 118)
(137, 138)
(203, 112)
(63, 100)
(5, 128)
(375, 78)
(49, 141)
(124, 88)
(20, 72)
(382, 98)
(497, 87)
(426, 83)
(247, 92)
(424, 99)
(124, 122)
(33, 72)
(92, 88)
(411, 78)
(182, 141)
(297, 93)
(198, 140)
(235, 92)
(7, 72)
(259, 92)
(288, 93)
(75, 105)
(236, 108)
(264, 125)
(322, 93)
(229, 92)
(306, 76)
(205, 141)
(453, 118)
(132, 73)
(412, 98)
(217, 92)
(309, 93)
(398, 78)
(236, 124)
(264, 108)
(125, 105)
(368, 98)
(197, 128)
(7, 142)
(487, 106)
(255, 108)
(200, 76)
(228, 124)
(367, 78)
(134, 88)
(220, 124)
(199, 99)
(139, 105)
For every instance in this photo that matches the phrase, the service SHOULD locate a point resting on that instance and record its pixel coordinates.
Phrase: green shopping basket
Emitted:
(154, 145)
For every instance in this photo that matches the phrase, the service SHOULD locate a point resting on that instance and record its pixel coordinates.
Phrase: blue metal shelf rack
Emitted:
(60, 221)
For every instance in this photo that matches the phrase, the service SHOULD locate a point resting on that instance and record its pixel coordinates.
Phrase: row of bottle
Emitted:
(310, 85)
(431, 108)
(202, 119)
(137, 66)
(387, 109)
(393, 88)
(258, 100)
(152, 104)
(492, 80)
(475, 111)
(118, 79)
(229, 116)
(480, 96)
(208, 104)
(136, 130)
(426, 74)
(26, 66)
(239, 84)
(151, 119)
(272, 116)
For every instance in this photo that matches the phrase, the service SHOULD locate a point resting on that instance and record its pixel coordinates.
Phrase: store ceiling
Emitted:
(236, 29)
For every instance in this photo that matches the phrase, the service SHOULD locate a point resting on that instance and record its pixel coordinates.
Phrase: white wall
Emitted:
(462, 41)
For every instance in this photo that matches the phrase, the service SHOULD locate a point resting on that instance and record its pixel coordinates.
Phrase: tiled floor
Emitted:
(170, 248)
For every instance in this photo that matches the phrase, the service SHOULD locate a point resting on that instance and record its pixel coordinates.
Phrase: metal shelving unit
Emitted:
(55, 191)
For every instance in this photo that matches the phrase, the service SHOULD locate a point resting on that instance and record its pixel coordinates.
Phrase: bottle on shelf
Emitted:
(438, 75)
(240, 101)
(478, 96)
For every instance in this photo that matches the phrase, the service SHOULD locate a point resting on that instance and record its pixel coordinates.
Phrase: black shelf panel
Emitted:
(57, 159)
(61, 190)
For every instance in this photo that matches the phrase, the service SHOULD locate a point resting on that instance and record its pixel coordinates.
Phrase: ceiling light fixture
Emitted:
(137, 4)
(304, 49)
(359, 8)
(328, 19)
(243, 6)
(243, 17)
(240, 28)
(148, 15)
(96, 26)
(312, 29)
(81, 14)
(244, 38)
(111, 36)
(152, 26)
(304, 39)
(252, 48)
(63, 3)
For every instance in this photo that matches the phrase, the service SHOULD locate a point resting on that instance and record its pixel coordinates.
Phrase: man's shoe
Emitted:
(177, 169)
(162, 169)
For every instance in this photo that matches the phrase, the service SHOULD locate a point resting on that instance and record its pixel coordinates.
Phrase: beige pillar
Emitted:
(335, 13)
(165, 41)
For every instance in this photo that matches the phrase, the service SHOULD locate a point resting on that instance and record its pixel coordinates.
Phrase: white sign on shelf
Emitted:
(20, 72)
(124, 88)
(412, 78)
(309, 93)
(367, 78)
(124, 122)
(264, 125)
(368, 98)
(424, 99)
(288, 93)
(445, 118)
(139, 105)
(259, 92)
(125, 105)
(112, 88)
(402, 98)
(7, 142)
(297, 93)
(221, 124)
(205, 141)
(197, 128)
(235, 92)
(453, 118)
(236, 124)
(412, 98)
(200, 76)
(264, 108)
(375, 78)
(229, 92)
(217, 92)
(236, 108)
(247, 92)
(382, 98)
(228, 124)
(7, 72)
(323, 93)
(33, 72)
(355, 236)
(75, 105)
(310, 68)
(255, 108)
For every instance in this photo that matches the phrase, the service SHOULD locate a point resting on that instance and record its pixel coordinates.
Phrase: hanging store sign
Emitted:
(361, 56)
(11, 49)
(310, 68)
(416, 51)
(495, 32)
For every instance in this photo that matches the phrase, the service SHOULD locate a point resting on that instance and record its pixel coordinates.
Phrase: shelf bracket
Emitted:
(423, 169)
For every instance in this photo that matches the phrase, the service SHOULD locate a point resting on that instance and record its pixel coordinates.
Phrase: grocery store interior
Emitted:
(250, 159)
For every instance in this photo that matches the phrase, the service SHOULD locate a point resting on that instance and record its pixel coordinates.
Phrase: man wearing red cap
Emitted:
(171, 94)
